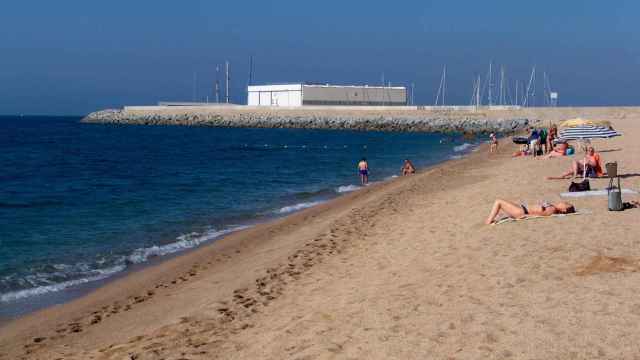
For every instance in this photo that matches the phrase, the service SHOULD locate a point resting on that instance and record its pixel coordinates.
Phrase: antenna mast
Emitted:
(413, 91)
(227, 81)
(250, 82)
(217, 87)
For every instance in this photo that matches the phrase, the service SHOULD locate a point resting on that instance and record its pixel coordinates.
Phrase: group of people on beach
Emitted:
(542, 142)
(546, 144)
(363, 170)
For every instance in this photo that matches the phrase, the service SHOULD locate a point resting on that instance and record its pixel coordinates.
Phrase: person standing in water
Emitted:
(363, 170)
(407, 168)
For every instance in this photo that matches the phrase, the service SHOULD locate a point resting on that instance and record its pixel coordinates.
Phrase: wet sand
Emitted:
(404, 269)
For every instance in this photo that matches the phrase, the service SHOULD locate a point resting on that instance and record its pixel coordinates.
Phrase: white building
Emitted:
(308, 94)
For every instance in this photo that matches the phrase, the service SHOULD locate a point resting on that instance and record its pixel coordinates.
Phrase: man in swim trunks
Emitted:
(363, 170)
(534, 141)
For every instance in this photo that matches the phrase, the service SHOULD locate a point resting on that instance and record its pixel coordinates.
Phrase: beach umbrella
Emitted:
(580, 121)
(584, 133)
(587, 132)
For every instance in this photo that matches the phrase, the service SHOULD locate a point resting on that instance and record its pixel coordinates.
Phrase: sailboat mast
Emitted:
(478, 94)
(490, 85)
(502, 85)
(531, 83)
(444, 83)
(441, 87)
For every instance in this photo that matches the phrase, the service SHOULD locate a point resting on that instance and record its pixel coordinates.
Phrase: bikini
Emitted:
(545, 205)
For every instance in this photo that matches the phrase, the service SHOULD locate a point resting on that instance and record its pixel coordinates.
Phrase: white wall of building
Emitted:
(275, 95)
(293, 95)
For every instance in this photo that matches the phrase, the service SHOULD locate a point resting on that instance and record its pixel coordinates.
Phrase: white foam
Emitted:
(347, 188)
(186, 241)
(141, 255)
(296, 207)
(455, 157)
(40, 290)
(462, 147)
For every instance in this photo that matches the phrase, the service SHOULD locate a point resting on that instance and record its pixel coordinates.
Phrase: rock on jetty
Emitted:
(348, 119)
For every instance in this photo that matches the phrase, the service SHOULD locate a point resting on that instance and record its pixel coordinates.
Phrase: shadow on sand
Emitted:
(609, 150)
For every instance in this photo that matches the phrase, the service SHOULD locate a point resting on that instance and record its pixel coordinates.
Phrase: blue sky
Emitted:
(73, 57)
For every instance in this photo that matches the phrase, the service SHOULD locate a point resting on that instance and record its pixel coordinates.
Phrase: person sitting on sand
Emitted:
(592, 165)
(521, 211)
(493, 143)
(363, 170)
(408, 168)
(524, 151)
(559, 149)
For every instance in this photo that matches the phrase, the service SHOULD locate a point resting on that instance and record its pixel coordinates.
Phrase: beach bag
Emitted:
(580, 186)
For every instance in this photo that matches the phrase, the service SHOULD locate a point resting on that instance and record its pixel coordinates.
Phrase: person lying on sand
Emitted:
(592, 165)
(524, 151)
(521, 211)
(408, 168)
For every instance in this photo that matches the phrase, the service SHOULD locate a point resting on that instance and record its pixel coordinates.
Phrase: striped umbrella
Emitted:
(584, 132)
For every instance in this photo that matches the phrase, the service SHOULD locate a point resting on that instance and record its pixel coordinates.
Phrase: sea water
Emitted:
(80, 203)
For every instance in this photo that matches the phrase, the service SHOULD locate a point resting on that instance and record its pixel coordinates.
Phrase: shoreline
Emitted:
(53, 298)
(159, 267)
(402, 269)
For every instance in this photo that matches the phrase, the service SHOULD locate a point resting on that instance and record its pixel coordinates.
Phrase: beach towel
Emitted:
(507, 219)
(594, 193)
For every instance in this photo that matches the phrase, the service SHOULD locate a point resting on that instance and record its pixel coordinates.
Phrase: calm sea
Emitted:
(80, 203)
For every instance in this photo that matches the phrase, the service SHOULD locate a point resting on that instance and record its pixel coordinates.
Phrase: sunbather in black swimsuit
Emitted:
(545, 205)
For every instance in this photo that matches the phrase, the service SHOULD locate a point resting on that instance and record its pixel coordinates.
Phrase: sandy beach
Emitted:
(399, 270)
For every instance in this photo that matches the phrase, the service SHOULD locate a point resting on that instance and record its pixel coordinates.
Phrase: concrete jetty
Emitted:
(412, 119)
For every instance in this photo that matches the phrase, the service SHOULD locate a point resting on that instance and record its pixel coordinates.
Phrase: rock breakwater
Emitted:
(408, 121)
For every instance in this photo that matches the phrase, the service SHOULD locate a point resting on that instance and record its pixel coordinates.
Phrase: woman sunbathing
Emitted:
(521, 211)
